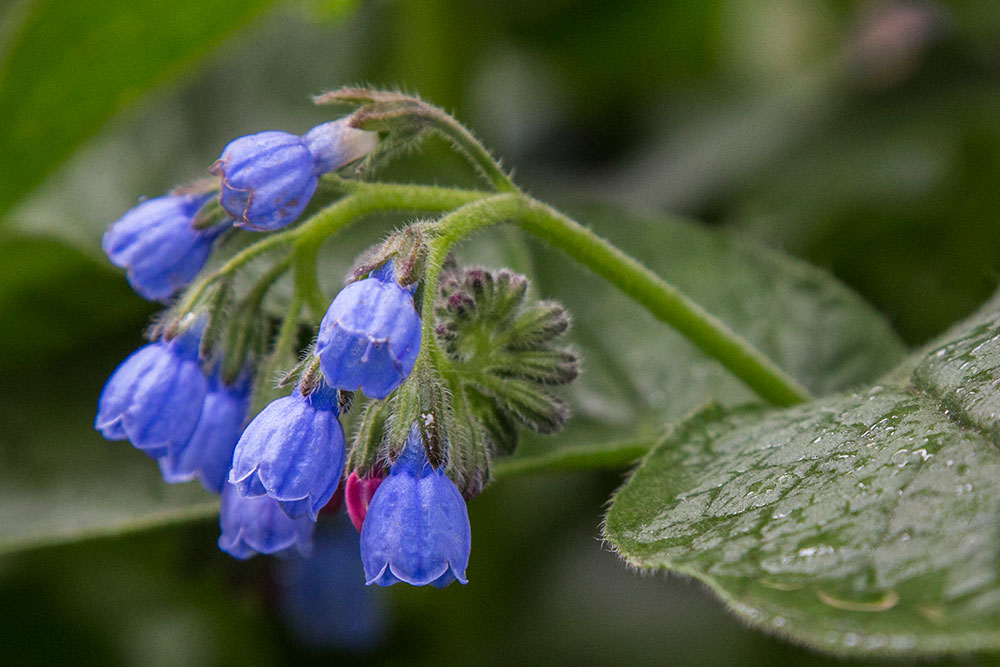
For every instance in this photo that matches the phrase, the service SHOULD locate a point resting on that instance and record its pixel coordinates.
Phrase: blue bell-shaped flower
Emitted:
(417, 527)
(292, 452)
(258, 525)
(369, 338)
(208, 453)
(154, 398)
(158, 246)
(268, 178)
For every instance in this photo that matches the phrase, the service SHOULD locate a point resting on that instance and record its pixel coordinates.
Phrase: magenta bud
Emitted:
(358, 494)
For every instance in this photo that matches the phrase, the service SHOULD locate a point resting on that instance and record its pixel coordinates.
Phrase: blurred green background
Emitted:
(863, 137)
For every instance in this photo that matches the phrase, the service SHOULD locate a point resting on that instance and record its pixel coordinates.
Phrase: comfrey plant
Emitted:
(433, 366)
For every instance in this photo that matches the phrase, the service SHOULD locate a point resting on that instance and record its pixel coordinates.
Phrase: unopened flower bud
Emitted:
(158, 246)
(268, 178)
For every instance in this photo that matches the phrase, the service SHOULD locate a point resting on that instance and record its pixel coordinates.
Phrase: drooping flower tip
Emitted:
(155, 397)
(369, 338)
(268, 178)
(158, 246)
(417, 527)
(292, 452)
(258, 525)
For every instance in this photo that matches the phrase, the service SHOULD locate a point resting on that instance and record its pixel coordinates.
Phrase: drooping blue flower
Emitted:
(324, 601)
(268, 178)
(258, 525)
(208, 453)
(369, 338)
(154, 398)
(157, 245)
(417, 527)
(292, 452)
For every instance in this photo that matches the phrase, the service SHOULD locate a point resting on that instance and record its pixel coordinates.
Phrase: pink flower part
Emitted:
(358, 493)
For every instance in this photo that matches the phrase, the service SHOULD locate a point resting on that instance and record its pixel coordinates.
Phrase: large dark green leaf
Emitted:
(70, 65)
(863, 523)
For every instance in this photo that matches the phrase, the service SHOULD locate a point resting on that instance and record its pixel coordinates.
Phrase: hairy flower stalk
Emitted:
(444, 365)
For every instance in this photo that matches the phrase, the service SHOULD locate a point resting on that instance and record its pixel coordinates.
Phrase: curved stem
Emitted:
(307, 287)
(467, 144)
(363, 199)
(661, 299)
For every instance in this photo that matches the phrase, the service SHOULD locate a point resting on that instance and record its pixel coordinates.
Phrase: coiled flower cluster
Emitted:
(446, 363)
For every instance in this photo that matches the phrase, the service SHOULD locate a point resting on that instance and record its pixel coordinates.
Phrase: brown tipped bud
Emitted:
(461, 305)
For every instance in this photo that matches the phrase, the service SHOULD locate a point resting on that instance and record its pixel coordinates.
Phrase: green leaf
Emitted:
(862, 523)
(52, 296)
(69, 66)
(59, 480)
(637, 374)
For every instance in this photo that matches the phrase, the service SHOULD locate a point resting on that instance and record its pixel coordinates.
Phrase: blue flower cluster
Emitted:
(278, 471)
(265, 182)
(177, 399)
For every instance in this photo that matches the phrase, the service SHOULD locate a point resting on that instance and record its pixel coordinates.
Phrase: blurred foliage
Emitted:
(862, 137)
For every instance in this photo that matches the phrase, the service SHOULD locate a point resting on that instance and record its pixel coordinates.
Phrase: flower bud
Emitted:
(335, 144)
(358, 492)
(158, 246)
(268, 178)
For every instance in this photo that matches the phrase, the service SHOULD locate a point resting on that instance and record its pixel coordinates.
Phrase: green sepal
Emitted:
(537, 325)
(470, 453)
(548, 366)
(424, 401)
(243, 341)
(528, 404)
(217, 312)
(500, 428)
(407, 247)
(368, 445)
